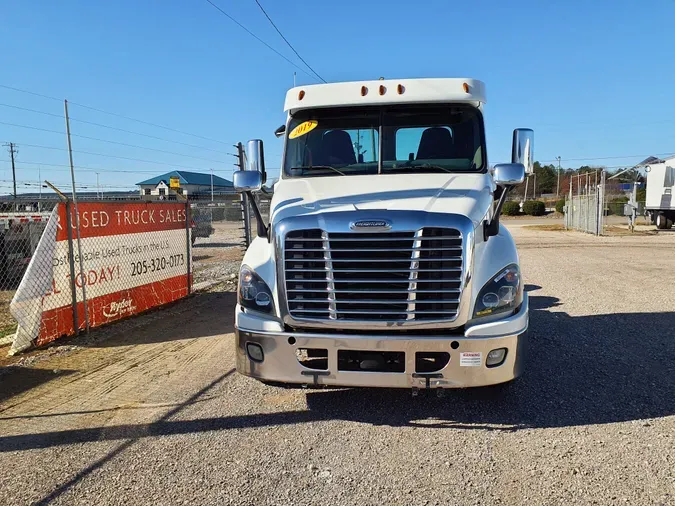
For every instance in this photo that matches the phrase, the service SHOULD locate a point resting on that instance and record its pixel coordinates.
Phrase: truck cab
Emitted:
(383, 263)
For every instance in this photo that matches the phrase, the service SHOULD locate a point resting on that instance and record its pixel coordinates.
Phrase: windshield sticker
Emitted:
(303, 128)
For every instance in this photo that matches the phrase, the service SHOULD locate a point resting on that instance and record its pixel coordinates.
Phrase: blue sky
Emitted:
(593, 78)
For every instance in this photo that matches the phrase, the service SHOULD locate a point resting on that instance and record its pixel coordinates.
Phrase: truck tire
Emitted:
(662, 222)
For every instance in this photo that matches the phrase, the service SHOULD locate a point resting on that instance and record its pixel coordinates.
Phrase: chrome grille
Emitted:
(387, 276)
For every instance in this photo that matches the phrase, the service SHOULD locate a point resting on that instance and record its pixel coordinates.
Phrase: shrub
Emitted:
(511, 208)
(560, 206)
(615, 206)
(534, 207)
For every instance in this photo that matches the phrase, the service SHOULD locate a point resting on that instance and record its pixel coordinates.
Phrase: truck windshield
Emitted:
(392, 139)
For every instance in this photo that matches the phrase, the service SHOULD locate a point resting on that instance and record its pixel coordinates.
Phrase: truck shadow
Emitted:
(578, 370)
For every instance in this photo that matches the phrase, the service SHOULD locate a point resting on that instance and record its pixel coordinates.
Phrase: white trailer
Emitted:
(660, 204)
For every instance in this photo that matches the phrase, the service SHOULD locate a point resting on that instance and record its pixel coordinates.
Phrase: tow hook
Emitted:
(315, 375)
(427, 377)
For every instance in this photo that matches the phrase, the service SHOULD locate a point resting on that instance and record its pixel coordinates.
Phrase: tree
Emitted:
(547, 178)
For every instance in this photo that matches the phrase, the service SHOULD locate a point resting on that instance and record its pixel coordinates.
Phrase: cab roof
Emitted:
(386, 91)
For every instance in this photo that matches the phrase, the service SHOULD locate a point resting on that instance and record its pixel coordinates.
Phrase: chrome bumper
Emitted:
(281, 365)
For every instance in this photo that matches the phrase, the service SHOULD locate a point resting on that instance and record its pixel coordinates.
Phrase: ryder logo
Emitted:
(118, 308)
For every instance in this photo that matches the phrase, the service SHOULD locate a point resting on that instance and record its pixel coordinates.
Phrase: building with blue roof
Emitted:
(185, 183)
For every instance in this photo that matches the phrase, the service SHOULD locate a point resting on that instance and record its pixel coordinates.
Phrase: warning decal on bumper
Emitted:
(471, 359)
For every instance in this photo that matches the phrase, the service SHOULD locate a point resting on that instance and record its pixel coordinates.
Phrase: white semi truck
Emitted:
(660, 204)
(383, 263)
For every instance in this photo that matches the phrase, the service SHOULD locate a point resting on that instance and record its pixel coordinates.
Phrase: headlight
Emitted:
(254, 292)
(500, 293)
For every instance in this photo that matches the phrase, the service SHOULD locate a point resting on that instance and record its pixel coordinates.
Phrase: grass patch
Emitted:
(611, 230)
(614, 230)
(554, 227)
(7, 330)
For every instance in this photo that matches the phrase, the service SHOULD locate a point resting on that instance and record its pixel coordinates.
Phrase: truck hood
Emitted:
(465, 194)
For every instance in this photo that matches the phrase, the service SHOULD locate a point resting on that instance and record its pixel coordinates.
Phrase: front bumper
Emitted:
(280, 363)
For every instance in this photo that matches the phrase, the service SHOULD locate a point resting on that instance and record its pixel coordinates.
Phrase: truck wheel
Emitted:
(662, 221)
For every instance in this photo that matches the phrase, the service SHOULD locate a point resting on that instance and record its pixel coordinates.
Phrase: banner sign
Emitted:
(135, 256)
(174, 182)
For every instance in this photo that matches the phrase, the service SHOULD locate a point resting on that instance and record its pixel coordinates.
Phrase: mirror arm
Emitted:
(262, 229)
(492, 228)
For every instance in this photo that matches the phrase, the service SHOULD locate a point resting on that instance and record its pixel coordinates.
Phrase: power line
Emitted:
(147, 123)
(179, 166)
(112, 142)
(60, 116)
(113, 114)
(259, 39)
(605, 157)
(288, 43)
(103, 169)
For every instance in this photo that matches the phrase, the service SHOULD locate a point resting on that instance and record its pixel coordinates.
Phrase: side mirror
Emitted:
(255, 158)
(523, 148)
(281, 131)
(247, 181)
(509, 174)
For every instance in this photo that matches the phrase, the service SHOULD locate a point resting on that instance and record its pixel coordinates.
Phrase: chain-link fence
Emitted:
(21, 226)
(116, 261)
(103, 262)
(218, 238)
(584, 206)
(263, 201)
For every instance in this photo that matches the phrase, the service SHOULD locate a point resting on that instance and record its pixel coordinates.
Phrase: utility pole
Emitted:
(77, 217)
(557, 191)
(527, 182)
(11, 147)
(98, 189)
(211, 185)
(40, 188)
(534, 187)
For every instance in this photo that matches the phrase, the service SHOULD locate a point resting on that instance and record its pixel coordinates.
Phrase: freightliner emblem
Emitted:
(370, 224)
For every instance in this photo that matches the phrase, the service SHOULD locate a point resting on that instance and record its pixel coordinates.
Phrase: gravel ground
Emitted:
(218, 256)
(157, 415)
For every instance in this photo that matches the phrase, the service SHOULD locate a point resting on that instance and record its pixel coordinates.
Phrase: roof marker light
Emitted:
(466, 87)
(400, 89)
(301, 95)
(364, 91)
(383, 90)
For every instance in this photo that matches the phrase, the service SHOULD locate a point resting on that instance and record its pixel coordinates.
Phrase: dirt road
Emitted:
(150, 411)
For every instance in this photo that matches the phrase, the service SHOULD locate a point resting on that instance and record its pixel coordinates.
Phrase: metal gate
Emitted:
(584, 206)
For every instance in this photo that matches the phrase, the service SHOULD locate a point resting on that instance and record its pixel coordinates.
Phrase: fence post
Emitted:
(601, 204)
(188, 246)
(71, 264)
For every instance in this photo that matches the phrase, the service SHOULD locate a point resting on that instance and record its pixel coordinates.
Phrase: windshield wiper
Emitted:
(320, 167)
